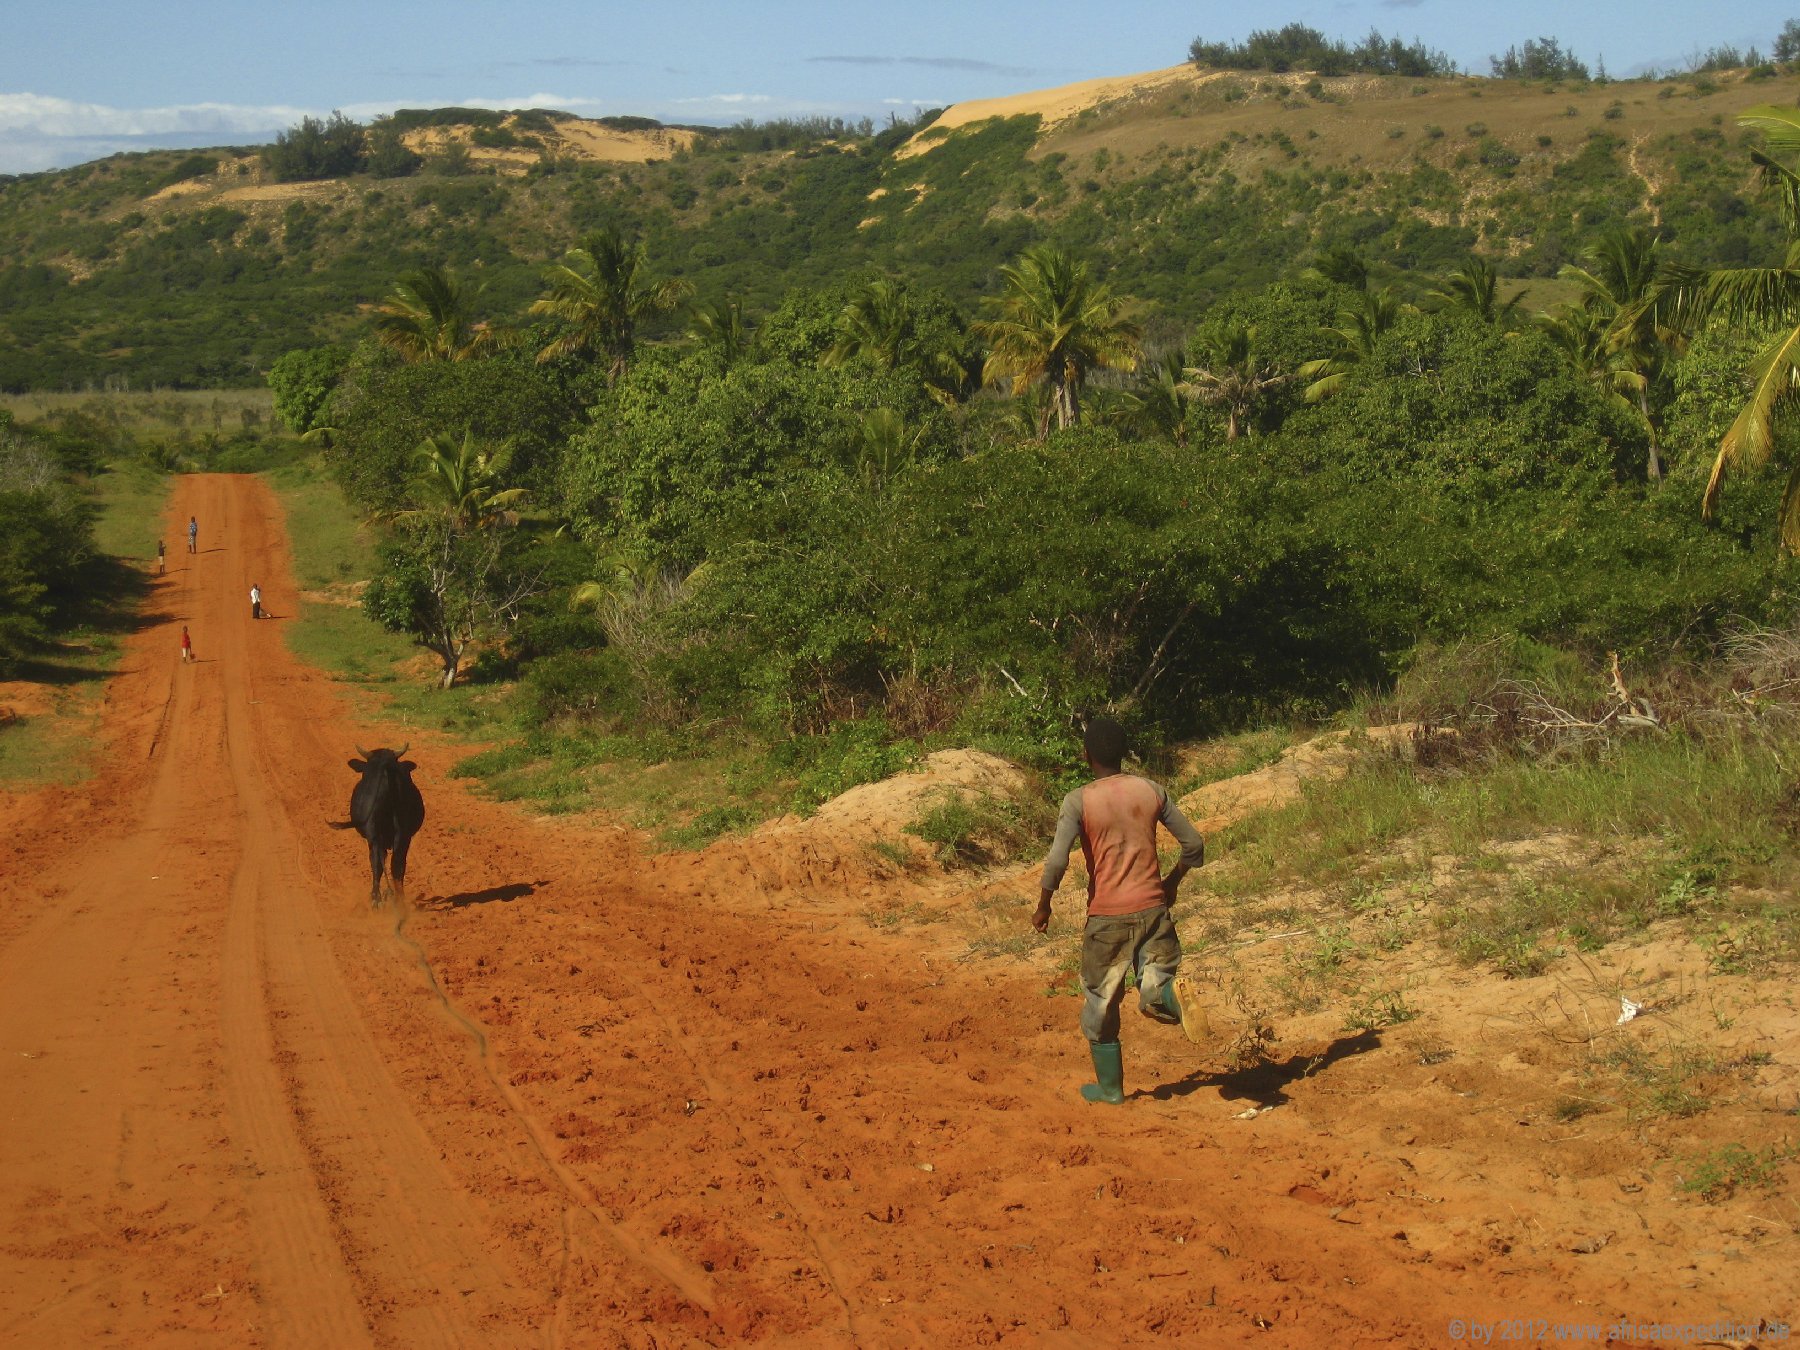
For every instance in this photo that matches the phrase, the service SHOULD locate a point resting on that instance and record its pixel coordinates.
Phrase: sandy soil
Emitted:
(574, 1095)
(1058, 104)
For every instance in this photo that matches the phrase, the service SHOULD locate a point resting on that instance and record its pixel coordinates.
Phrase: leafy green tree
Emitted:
(388, 154)
(601, 293)
(449, 587)
(312, 150)
(680, 453)
(429, 318)
(1786, 49)
(46, 544)
(303, 381)
(1539, 59)
(1449, 399)
(1055, 324)
(383, 408)
(1230, 372)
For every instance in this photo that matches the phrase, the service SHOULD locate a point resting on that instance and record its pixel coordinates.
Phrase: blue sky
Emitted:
(83, 78)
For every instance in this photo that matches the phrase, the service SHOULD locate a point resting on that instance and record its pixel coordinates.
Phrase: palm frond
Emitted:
(1775, 379)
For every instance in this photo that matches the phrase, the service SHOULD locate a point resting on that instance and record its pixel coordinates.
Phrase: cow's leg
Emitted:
(376, 858)
(401, 845)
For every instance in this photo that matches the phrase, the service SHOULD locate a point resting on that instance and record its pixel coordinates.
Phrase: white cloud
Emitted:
(41, 132)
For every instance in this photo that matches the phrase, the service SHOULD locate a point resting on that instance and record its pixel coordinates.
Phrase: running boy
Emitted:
(1128, 923)
(187, 644)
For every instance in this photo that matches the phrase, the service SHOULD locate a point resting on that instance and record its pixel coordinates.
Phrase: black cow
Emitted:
(387, 810)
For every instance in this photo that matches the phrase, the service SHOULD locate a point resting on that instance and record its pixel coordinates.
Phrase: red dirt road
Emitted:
(582, 1098)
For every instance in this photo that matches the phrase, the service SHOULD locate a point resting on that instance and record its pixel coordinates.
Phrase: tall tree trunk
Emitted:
(1653, 468)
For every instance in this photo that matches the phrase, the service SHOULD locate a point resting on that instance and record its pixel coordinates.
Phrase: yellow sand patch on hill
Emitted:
(1058, 104)
(279, 192)
(577, 138)
(593, 141)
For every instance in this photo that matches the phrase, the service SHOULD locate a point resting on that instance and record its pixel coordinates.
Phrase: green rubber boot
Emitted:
(1109, 1070)
(1180, 998)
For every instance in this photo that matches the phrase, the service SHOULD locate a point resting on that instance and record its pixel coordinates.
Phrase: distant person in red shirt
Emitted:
(187, 645)
(1128, 923)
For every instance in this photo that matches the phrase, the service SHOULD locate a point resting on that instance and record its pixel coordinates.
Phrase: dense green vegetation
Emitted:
(177, 269)
(818, 522)
(792, 461)
(1297, 47)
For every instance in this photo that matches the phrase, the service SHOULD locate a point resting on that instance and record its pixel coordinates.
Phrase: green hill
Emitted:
(192, 269)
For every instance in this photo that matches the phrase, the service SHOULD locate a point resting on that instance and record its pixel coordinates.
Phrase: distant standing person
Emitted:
(193, 534)
(161, 556)
(1128, 923)
(255, 601)
(187, 644)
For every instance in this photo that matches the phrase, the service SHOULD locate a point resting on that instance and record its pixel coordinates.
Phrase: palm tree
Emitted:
(719, 327)
(881, 326)
(463, 484)
(1230, 373)
(1159, 404)
(875, 328)
(886, 445)
(1621, 276)
(1055, 325)
(1686, 297)
(427, 319)
(601, 293)
(1359, 327)
(1341, 266)
(1474, 288)
(1581, 334)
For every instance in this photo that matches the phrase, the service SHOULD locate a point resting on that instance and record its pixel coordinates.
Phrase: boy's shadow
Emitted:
(1265, 1083)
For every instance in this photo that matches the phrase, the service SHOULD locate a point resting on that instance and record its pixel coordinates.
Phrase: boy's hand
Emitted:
(1040, 919)
(1172, 883)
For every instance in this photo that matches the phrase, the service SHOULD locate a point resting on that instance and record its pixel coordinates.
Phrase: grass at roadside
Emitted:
(1519, 860)
(334, 552)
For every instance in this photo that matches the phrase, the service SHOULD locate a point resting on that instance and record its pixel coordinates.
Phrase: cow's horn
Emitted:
(401, 752)
(361, 753)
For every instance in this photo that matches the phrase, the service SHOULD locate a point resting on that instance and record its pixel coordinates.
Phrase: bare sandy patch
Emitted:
(1058, 104)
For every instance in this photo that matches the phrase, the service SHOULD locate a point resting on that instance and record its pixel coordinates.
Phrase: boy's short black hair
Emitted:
(1104, 741)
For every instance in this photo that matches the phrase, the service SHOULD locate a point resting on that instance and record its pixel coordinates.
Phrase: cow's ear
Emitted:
(359, 764)
(408, 765)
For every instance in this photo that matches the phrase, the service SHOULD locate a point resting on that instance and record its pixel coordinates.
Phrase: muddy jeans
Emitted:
(1110, 946)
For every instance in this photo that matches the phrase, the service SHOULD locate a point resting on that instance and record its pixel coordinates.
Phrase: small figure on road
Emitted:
(161, 556)
(187, 644)
(193, 534)
(1129, 927)
(255, 601)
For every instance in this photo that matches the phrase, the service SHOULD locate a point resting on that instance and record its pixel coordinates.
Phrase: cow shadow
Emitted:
(1265, 1084)
(505, 895)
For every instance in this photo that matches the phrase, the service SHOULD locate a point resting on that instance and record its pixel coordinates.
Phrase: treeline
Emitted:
(1298, 47)
(47, 552)
(871, 507)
